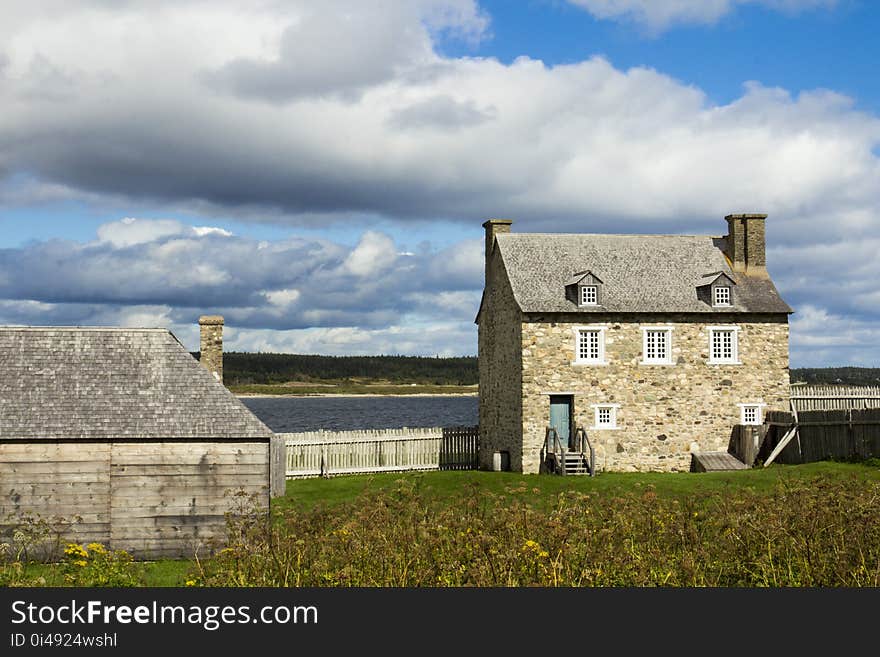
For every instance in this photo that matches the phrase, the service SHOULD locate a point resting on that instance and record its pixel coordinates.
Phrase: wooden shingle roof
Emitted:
(640, 273)
(68, 383)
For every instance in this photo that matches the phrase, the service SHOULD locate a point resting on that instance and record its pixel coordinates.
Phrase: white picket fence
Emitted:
(834, 398)
(326, 453)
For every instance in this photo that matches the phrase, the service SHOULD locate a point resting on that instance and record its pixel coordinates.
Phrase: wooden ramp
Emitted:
(716, 462)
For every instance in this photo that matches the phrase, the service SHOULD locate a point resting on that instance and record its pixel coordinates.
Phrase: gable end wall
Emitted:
(500, 368)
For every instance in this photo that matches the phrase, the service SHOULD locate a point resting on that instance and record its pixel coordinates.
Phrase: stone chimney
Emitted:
(746, 244)
(211, 344)
(494, 227)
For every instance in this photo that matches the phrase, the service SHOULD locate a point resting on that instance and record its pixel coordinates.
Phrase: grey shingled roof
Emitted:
(59, 383)
(640, 273)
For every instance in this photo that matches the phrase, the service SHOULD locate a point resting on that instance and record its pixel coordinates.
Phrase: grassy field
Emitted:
(814, 525)
(542, 490)
(350, 388)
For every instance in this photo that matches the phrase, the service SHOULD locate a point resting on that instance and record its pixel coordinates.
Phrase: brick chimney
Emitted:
(494, 227)
(746, 244)
(211, 344)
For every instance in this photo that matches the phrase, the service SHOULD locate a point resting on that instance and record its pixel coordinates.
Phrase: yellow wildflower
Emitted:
(75, 550)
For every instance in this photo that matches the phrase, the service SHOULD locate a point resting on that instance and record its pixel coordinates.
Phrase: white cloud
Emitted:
(440, 339)
(109, 100)
(819, 338)
(131, 231)
(283, 298)
(210, 230)
(452, 138)
(373, 254)
(144, 272)
(660, 14)
(337, 52)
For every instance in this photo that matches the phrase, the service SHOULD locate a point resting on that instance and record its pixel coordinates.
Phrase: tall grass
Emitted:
(820, 531)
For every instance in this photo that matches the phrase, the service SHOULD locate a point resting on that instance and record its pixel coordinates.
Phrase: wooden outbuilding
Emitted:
(119, 436)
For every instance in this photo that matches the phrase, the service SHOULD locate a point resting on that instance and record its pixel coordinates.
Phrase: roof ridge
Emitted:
(154, 329)
(509, 235)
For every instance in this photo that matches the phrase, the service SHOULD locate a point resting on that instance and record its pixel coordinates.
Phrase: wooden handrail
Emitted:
(554, 446)
(581, 437)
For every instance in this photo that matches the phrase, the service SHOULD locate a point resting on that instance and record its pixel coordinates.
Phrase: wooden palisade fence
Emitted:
(830, 398)
(326, 453)
(825, 434)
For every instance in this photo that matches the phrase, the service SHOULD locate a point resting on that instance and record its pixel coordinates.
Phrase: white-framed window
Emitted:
(589, 348)
(751, 413)
(724, 345)
(605, 416)
(656, 345)
(589, 295)
(722, 296)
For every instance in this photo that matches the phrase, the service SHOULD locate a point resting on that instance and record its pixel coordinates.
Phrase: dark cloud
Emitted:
(289, 284)
(443, 112)
(326, 53)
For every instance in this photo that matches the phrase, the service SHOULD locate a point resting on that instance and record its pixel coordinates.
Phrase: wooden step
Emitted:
(569, 463)
(716, 462)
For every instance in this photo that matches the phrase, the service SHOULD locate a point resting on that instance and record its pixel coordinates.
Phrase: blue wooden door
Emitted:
(560, 417)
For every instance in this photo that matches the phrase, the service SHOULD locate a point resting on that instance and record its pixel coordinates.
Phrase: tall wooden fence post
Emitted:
(277, 466)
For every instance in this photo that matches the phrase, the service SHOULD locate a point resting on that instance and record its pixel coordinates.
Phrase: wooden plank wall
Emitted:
(169, 499)
(745, 441)
(66, 484)
(826, 434)
(326, 453)
(277, 466)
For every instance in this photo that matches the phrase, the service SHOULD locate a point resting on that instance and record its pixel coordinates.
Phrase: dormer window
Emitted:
(584, 289)
(716, 289)
(589, 295)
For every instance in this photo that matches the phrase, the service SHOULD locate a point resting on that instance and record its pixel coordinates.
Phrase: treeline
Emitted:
(853, 376)
(243, 368)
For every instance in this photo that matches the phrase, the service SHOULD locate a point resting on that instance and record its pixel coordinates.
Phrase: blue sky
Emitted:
(318, 171)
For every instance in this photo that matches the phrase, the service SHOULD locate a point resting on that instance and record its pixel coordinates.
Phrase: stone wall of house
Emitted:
(666, 411)
(500, 363)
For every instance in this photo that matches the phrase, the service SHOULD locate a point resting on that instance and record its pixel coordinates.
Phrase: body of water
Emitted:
(295, 414)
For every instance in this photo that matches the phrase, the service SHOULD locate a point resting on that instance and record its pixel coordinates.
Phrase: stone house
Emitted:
(656, 345)
(119, 436)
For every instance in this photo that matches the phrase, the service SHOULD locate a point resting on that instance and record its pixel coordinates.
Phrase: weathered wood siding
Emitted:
(832, 434)
(170, 498)
(278, 466)
(65, 484)
(745, 442)
(154, 499)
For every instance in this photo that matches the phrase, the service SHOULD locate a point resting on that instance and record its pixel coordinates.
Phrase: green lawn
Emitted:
(542, 489)
(167, 572)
